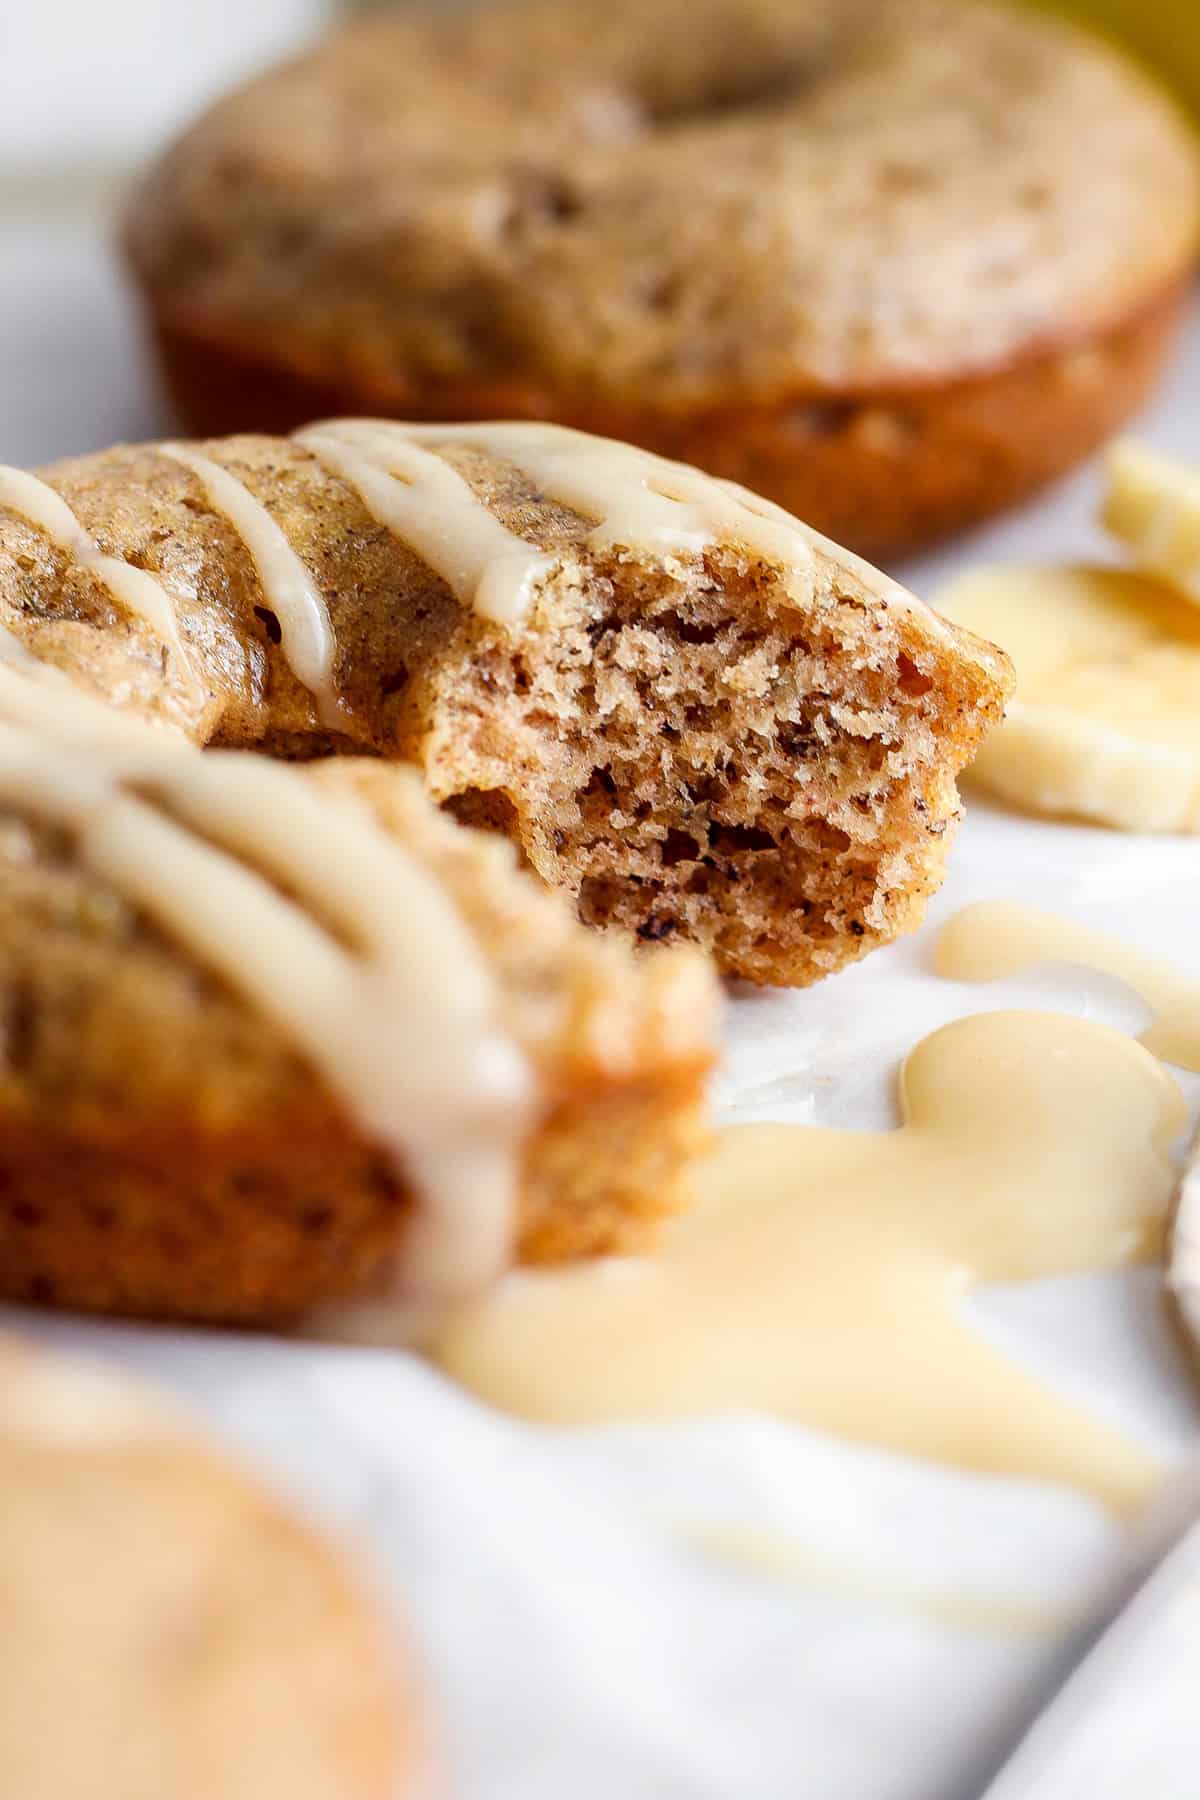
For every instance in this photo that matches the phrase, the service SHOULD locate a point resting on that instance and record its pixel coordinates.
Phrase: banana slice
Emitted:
(1183, 1252)
(1152, 504)
(1106, 721)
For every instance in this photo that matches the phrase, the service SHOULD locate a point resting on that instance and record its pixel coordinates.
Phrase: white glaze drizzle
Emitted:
(42, 698)
(41, 505)
(289, 590)
(418, 497)
(402, 1025)
(641, 502)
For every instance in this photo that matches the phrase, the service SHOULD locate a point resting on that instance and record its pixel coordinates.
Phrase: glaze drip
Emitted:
(289, 590)
(40, 505)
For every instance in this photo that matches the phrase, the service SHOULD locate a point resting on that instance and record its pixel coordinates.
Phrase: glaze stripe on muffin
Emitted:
(421, 499)
(38, 502)
(306, 636)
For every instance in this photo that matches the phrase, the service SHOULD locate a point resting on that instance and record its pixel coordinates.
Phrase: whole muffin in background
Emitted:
(892, 263)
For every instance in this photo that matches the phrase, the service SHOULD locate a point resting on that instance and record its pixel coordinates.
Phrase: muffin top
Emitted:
(728, 194)
(396, 625)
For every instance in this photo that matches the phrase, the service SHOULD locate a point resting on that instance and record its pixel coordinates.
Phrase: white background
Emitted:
(585, 1625)
(92, 82)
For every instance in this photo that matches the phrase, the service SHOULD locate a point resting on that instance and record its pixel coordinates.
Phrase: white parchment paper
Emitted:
(731, 1607)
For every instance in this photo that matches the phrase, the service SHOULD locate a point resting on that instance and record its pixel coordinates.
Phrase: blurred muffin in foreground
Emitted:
(170, 1633)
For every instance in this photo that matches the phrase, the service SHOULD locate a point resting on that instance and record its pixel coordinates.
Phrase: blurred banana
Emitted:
(1152, 504)
(1106, 721)
(1164, 34)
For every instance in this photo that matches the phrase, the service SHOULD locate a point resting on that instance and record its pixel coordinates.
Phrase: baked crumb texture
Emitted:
(702, 758)
(893, 263)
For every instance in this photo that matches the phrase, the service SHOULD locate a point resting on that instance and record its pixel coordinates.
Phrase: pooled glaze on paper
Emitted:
(823, 1273)
(999, 937)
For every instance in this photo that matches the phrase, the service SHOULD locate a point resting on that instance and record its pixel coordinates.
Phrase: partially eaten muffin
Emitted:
(702, 720)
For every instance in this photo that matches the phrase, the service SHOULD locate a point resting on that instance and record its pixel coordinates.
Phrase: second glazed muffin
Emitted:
(890, 262)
